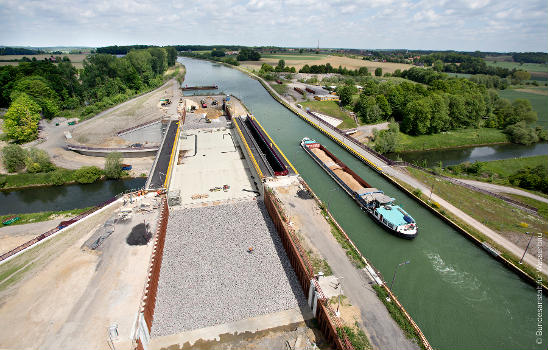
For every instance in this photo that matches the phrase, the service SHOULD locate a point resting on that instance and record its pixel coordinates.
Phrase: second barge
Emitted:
(378, 205)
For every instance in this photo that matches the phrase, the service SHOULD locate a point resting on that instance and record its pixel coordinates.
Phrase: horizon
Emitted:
(464, 25)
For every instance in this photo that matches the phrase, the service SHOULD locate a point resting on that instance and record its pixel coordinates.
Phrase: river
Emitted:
(55, 198)
(454, 156)
(460, 296)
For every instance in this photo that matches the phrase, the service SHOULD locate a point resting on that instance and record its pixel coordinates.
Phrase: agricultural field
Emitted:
(530, 67)
(538, 98)
(76, 59)
(294, 57)
(298, 62)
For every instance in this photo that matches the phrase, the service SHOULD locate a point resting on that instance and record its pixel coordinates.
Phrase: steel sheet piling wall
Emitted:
(149, 298)
(328, 322)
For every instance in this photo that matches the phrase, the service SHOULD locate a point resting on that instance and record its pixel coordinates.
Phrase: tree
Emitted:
(388, 141)
(520, 133)
(247, 54)
(345, 94)
(13, 158)
(113, 165)
(281, 65)
(367, 110)
(37, 160)
(87, 174)
(520, 76)
(21, 119)
(171, 55)
(378, 72)
(417, 117)
(383, 104)
(218, 53)
(39, 90)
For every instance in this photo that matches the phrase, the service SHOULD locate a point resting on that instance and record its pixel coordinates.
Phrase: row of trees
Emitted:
(327, 68)
(44, 88)
(453, 62)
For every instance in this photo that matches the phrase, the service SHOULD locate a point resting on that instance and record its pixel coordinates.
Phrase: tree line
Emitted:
(530, 57)
(441, 105)
(19, 51)
(44, 89)
(327, 68)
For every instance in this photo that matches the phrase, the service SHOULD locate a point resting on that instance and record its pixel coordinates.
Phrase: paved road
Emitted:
(382, 330)
(397, 174)
(504, 189)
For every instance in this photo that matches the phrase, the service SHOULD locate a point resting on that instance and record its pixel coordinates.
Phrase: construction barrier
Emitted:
(151, 289)
(328, 322)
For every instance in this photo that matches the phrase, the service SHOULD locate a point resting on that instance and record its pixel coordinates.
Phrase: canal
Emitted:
(454, 156)
(56, 198)
(460, 297)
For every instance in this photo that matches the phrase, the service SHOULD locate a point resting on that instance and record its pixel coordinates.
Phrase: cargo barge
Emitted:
(372, 200)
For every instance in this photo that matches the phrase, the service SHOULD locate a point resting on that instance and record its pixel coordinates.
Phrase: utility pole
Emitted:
(431, 190)
(337, 313)
(525, 251)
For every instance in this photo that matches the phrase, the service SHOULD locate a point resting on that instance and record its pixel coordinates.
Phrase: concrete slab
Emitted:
(253, 324)
(210, 161)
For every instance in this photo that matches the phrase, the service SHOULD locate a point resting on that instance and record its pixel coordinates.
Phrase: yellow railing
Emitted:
(173, 151)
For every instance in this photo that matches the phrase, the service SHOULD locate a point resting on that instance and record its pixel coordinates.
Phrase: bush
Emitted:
(417, 192)
(113, 165)
(38, 161)
(87, 174)
(13, 158)
(59, 177)
(531, 178)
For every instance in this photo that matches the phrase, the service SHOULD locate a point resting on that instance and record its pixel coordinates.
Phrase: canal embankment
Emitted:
(391, 173)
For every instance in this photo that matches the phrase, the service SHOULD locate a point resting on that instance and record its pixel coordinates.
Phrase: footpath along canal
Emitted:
(460, 297)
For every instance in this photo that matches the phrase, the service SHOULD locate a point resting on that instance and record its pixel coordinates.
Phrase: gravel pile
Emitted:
(209, 277)
(196, 121)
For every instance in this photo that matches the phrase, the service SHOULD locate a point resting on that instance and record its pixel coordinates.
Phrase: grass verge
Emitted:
(279, 88)
(43, 216)
(452, 139)
(397, 315)
(490, 211)
(526, 268)
(332, 109)
(357, 337)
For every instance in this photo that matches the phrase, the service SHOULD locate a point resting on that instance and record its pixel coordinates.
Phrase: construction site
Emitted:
(205, 256)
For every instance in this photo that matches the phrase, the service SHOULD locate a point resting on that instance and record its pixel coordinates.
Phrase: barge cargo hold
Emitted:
(372, 200)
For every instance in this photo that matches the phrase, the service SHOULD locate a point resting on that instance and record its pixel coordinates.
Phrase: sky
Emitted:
(463, 25)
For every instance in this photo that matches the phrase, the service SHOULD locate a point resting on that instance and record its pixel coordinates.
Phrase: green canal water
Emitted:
(459, 296)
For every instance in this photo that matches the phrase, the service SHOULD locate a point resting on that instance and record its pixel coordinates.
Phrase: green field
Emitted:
(331, 108)
(531, 67)
(498, 171)
(539, 102)
(43, 216)
(491, 211)
(507, 167)
(294, 57)
(454, 138)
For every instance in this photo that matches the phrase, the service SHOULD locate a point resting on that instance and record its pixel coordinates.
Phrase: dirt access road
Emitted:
(504, 189)
(107, 123)
(382, 330)
(67, 296)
